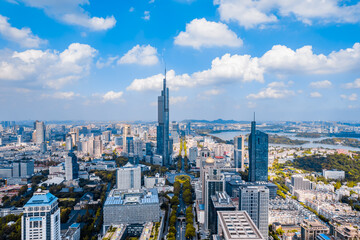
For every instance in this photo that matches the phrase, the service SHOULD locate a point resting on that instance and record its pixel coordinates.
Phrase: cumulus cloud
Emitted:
(176, 100)
(321, 84)
(202, 33)
(142, 55)
(174, 82)
(355, 84)
(48, 68)
(351, 97)
(274, 90)
(250, 13)
(315, 95)
(112, 96)
(245, 68)
(24, 36)
(282, 59)
(72, 12)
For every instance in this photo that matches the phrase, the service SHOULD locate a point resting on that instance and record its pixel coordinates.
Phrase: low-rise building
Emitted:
(131, 207)
(310, 229)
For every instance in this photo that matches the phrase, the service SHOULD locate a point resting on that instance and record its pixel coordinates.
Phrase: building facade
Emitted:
(41, 218)
(239, 153)
(40, 132)
(128, 177)
(258, 155)
(255, 201)
(164, 146)
(71, 167)
(131, 207)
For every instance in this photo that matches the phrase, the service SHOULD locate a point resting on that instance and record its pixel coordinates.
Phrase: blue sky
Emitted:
(104, 60)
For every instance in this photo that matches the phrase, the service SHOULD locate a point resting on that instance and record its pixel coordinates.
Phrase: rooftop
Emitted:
(41, 199)
(238, 225)
(132, 197)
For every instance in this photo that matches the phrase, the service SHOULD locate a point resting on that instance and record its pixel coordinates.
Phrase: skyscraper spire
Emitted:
(164, 82)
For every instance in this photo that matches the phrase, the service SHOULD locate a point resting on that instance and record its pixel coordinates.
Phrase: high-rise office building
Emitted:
(23, 169)
(128, 177)
(129, 147)
(193, 154)
(71, 167)
(106, 136)
(126, 134)
(214, 182)
(239, 153)
(40, 132)
(219, 202)
(255, 200)
(164, 146)
(41, 218)
(98, 147)
(258, 155)
(68, 143)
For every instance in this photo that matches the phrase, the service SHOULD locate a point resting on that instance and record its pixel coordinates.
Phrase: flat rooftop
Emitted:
(238, 225)
(132, 197)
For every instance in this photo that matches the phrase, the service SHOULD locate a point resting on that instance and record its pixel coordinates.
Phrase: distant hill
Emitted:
(218, 121)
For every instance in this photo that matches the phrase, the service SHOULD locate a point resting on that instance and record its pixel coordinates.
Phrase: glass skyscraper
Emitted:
(164, 145)
(258, 155)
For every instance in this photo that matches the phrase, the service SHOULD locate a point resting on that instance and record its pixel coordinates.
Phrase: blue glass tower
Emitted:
(258, 155)
(164, 146)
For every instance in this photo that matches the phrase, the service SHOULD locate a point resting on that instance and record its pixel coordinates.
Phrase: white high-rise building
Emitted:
(128, 177)
(41, 218)
(255, 201)
(40, 132)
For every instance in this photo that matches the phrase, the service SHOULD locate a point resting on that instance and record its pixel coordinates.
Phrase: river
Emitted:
(230, 136)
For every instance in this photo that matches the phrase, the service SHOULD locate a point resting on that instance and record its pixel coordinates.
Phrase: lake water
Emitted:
(230, 136)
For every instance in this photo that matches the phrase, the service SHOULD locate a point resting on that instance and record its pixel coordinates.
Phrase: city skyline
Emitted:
(80, 60)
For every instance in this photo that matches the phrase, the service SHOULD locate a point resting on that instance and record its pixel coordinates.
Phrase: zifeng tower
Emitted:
(163, 142)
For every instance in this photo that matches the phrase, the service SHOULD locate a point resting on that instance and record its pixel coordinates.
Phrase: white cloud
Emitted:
(142, 55)
(351, 97)
(213, 92)
(202, 33)
(282, 59)
(48, 68)
(176, 100)
(112, 96)
(355, 84)
(321, 84)
(274, 90)
(250, 13)
(94, 23)
(229, 68)
(131, 9)
(245, 68)
(146, 16)
(24, 36)
(315, 95)
(62, 95)
(174, 82)
(71, 12)
(101, 63)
